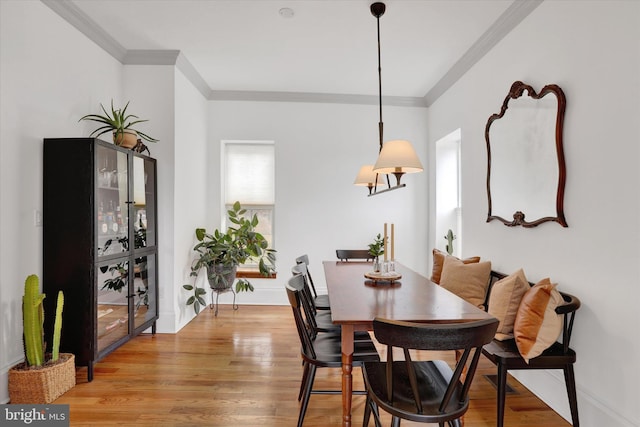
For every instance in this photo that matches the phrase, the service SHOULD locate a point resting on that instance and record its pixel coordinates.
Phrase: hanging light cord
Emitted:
(377, 10)
(380, 124)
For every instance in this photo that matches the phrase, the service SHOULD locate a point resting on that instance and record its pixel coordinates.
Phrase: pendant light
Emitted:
(394, 157)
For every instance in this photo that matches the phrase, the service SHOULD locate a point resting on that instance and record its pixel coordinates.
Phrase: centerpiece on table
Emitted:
(376, 249)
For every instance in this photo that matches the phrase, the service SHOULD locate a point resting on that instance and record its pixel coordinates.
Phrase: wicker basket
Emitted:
(44, 384)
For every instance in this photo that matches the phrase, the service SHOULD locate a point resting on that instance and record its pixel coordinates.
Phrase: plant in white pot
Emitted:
(221, 254)
(120, 124)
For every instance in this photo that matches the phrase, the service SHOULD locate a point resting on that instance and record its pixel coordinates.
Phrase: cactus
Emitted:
(450, 237)
(57, 328)
(33, 323)
(33, 319)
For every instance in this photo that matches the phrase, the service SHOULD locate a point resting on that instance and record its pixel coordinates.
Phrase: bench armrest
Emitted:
(572, 303)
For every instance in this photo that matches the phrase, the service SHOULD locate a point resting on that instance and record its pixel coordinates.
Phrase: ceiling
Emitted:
(326, 47)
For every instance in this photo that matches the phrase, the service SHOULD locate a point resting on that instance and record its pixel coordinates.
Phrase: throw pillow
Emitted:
(504, 301)
(438, 262)
(537, 325)
(468, 281)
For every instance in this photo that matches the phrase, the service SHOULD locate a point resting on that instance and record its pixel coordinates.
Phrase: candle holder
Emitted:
(392, 267)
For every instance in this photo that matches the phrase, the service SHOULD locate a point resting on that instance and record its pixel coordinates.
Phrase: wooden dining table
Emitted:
(356, 301)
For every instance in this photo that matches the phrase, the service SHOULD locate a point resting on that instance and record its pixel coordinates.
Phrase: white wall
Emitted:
(190, 200)
(319, 150)
(152, 87)
(49, 78)
(591, 50)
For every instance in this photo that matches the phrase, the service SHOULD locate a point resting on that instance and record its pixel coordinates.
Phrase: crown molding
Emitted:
(509, 19)
(83, 23)
(193, 75)
(151, 57)
(326, 98)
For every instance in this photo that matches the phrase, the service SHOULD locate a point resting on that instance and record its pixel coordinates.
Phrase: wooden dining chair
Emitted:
(319, 321)
(424, 391)
(320, 301)
(320, 350)
(354, 255)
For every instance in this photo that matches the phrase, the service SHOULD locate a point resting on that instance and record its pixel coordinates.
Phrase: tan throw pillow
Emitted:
(504, 301)
(537, 325)
(438, 262)
(468, 281)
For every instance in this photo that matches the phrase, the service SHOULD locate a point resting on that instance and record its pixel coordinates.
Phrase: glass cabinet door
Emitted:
(144, 177)
(144, 285)
(113, 304)
(111, 201)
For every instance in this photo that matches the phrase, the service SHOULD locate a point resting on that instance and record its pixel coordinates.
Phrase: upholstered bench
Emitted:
(506, 355)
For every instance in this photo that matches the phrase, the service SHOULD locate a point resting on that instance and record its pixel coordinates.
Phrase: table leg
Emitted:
(347, 378)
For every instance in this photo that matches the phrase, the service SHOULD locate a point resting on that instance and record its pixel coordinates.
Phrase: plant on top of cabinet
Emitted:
(221, 253)
(120, 124)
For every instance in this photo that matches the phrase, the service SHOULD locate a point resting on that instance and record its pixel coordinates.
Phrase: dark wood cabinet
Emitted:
(100, 244)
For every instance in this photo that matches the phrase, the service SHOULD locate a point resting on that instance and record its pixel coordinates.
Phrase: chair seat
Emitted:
(506, 353)
(328, 351)
(322, 302)
(433, 378)
(326, 325)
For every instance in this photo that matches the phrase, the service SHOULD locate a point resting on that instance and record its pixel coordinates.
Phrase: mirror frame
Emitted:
(516, 91)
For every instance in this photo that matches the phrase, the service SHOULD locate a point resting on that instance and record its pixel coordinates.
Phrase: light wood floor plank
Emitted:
(243, 368)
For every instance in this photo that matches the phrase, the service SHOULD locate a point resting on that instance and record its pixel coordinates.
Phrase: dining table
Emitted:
(356, 300)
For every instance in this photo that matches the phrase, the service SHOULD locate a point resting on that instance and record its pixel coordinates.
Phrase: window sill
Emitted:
(253, 273)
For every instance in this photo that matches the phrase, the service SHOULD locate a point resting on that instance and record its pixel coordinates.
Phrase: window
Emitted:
(448, 211)
(249, 177)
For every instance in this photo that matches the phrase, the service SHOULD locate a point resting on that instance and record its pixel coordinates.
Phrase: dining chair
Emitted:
(354, 255)
(424, 391)
(321, 301)
(319, 321)
(320, 350)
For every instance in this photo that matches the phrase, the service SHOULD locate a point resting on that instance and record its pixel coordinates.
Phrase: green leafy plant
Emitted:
(117, 122)
(220, 253)
(377, 247)
(33, 323)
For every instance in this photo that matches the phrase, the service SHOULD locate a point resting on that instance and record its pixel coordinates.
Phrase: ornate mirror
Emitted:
(526, 171)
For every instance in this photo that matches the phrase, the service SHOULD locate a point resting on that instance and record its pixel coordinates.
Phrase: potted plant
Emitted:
(121, 125)
(42, 377)
(221, 254)
(376, 249)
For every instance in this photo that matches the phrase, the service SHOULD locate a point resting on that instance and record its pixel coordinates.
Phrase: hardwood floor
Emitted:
(243, 368)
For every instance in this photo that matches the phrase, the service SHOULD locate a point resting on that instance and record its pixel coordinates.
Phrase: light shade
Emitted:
(367, 177)
(397, 157)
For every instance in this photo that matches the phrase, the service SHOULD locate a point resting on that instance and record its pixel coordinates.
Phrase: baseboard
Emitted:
(549, 386)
